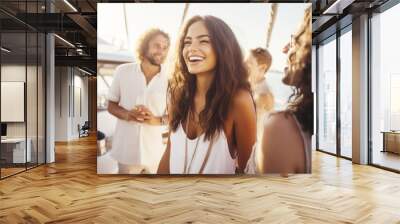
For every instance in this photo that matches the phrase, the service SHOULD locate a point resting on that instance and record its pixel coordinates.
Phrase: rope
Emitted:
(185, 10)
(271, 22)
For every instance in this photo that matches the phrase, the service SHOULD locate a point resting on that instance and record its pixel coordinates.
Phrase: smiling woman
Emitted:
(212, 113)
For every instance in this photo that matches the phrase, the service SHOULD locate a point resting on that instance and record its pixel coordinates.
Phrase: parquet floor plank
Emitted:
(70, 191)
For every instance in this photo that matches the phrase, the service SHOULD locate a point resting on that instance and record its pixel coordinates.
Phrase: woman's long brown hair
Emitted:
(298, 75)
(230, 76)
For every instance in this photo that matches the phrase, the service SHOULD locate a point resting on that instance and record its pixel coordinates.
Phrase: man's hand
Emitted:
(137, 114)
(150, 118)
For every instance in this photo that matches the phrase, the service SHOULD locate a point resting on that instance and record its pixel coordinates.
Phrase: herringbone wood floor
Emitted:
(70, 191)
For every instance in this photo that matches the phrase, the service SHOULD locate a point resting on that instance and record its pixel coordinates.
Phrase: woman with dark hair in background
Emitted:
(286, 143)
(211, 112)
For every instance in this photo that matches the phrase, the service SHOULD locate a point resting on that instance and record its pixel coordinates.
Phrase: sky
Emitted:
(247, 20)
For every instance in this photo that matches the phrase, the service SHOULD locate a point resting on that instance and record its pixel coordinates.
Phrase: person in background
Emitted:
(296, 122)
(286, 142)
(137, 98)
(259, 61)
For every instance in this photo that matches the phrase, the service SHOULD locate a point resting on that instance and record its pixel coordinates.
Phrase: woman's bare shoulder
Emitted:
(281, 124)
(282, 142)
(242, 104)
(278, 118)
(241, 98)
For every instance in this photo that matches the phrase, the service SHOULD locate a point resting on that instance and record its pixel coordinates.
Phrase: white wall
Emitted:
(62, 81)
(67, 115)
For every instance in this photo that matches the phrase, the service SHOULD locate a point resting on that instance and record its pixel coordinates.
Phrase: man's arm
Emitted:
(117, 111)
(123, 114)
(154, 120)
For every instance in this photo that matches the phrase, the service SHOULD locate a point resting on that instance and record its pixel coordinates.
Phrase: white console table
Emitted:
(18, 149)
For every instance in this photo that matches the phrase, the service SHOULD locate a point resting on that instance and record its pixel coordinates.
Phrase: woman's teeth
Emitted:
(195, 58)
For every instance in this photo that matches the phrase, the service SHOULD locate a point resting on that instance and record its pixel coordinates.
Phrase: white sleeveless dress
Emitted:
(219, 160)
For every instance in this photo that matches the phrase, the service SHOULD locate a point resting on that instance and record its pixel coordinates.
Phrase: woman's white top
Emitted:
(134, 143)
(219, 161)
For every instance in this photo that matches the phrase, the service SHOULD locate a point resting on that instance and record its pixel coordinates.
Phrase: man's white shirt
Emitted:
(134, 143)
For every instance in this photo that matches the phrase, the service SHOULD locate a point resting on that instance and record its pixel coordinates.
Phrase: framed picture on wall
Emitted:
(12, 101)
(193, 94)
